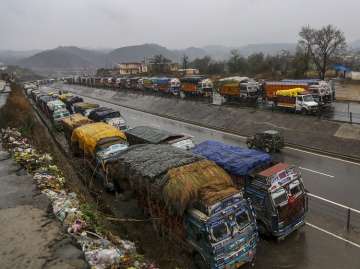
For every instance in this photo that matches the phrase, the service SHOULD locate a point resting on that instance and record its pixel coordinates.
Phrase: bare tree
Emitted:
(324, 45)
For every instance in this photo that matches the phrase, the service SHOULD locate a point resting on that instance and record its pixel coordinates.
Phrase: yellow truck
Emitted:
(97, 143)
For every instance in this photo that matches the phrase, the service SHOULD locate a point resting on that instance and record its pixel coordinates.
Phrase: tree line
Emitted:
(317, 50)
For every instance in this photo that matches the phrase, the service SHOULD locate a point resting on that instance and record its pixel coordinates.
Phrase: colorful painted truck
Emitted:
(192, 200)
(196, 86)
(290, 96)
(321, 90)
(238, 89)
(276, 190)
(167, 85)
(96, 143)
(151, 135)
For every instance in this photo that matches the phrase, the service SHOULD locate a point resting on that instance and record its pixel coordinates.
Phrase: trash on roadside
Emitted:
(99, 252)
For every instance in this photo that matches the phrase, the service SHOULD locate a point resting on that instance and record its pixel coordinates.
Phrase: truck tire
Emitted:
(303, 111)
(200, 262)
(263, 231)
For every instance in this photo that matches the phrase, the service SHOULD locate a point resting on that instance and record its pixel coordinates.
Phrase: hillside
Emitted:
(64, 58)
(74, 58)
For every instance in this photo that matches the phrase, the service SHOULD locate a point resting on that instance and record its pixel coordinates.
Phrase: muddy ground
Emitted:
(348, 91)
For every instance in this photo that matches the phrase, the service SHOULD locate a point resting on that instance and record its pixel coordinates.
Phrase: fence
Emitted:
(336, 217)
(349, 116)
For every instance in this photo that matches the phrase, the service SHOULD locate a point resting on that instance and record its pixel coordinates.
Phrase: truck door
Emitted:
(299, 103)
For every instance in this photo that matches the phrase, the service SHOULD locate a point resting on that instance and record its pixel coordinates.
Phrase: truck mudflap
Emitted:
(282, 233)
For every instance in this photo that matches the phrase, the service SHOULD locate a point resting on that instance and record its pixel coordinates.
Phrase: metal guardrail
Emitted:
(347, 216)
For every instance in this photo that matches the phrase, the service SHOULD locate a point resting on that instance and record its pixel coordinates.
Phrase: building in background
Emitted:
(132, 68)
(188, 72)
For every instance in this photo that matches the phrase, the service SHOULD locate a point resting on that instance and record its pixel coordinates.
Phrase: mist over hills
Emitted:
(72, 58)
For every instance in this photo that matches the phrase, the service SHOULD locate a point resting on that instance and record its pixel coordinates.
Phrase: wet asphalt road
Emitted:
(333, 179)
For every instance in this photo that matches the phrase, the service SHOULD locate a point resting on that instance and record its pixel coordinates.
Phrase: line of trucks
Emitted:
(212, 198)
(315, 94)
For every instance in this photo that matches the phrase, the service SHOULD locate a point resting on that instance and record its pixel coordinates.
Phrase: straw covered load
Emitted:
(173, 176)
(203, 181)
(74, 121)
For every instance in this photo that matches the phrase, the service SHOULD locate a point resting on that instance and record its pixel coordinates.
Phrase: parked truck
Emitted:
(290, 96)
(276, 190)
(73, 121)
(109, 116)
(167, 85)
(196, 86)
(192, 200)
(97, 143)
(152, 135)
(84, 108)
(321, 90)
(238, 89)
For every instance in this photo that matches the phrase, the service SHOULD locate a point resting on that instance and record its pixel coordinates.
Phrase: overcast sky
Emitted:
(43, 24)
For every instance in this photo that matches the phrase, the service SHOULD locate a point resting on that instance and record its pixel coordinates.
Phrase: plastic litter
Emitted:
(99, 252)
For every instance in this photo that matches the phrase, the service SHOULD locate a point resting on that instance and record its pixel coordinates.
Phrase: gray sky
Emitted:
(41, 24)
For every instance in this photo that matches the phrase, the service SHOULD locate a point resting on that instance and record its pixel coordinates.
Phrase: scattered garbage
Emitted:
(100, 252)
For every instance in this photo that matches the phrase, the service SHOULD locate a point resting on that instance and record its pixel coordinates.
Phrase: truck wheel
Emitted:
(199, 262)
(303, 111)
(263, 231)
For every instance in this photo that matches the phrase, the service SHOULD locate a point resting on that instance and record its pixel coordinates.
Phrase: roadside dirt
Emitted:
(348, 91)
(31, 237)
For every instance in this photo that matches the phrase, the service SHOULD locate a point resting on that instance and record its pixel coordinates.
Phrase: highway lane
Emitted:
(331, 178)
(309, 248)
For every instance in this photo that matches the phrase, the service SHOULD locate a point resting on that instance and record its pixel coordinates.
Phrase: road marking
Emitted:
(227, 133)
(334, 203)
(333, 235)
(316, 172)
(322, 155)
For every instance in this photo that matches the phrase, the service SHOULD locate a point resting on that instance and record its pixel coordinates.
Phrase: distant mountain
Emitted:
(191, 52)
(355, 44)
(65, 58)
(12, 56)
(218, 52)
(139, 53)
(270, 48)
(73, 58)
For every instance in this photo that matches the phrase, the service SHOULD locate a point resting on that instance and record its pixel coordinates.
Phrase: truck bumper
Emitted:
(239, 260)
(285, 231)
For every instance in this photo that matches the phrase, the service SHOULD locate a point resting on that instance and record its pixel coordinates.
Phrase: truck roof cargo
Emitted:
(192, 79)
(89, 135)
(75, 120)
(174, 176)
(83, 105)
(237, 161)
(150, 134)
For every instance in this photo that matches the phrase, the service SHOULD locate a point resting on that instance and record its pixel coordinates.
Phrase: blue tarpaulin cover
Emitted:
(235, 160)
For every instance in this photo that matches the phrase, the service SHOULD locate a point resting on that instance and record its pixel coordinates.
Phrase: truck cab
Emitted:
(279, 199)
(306, 104)
(223, 235)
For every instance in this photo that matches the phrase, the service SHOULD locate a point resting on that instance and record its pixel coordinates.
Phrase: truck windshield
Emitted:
(279, 197)
(219, 231)
(295, 188)
(308, 98)
(242, 220)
